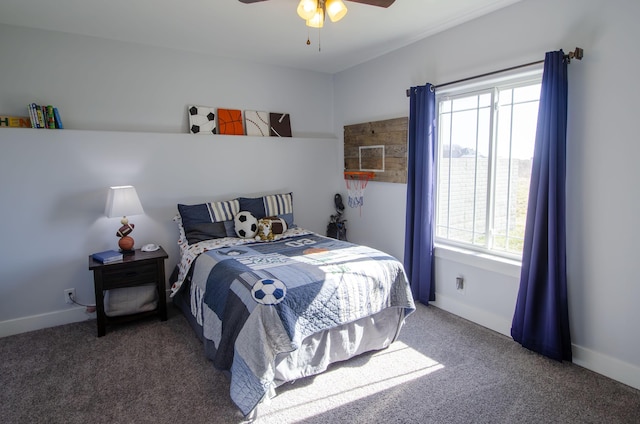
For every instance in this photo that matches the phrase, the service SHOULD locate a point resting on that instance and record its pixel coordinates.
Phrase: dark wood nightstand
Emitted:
(135, 269)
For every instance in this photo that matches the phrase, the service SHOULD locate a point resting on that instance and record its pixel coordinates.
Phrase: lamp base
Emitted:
(126, 244)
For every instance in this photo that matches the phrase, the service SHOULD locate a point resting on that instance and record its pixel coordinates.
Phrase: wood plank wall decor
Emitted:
(379, 146)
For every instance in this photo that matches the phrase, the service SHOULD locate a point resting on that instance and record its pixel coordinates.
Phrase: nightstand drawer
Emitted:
(126, 275)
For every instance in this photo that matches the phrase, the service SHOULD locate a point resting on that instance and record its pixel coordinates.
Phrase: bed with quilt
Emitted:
(273, 302)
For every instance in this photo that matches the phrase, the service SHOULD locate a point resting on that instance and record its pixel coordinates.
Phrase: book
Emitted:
(40, 116)
(51, 121)
(107, 256)
(30, 110)
(34, 116)
(57, 119)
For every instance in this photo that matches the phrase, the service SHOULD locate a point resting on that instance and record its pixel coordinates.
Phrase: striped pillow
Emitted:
(278, 204)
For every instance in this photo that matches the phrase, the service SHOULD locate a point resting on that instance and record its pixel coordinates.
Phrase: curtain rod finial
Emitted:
(578, 53)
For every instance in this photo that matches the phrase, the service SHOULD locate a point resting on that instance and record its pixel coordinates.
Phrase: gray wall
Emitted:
(602, 175)
(124, 111)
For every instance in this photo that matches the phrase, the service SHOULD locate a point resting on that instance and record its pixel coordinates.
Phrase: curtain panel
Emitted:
(418, 251)
(541, 318)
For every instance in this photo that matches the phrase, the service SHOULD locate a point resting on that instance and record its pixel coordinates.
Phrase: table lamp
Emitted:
(123, 201)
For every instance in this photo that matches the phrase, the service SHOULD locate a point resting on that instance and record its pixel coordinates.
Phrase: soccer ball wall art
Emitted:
(269, 291)
(202, 120)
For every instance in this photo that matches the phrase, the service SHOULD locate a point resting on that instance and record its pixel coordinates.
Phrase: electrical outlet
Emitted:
(69, 294)
(460, 284)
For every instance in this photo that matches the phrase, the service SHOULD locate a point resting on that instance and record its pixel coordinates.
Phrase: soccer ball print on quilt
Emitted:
(230, 122)
(269, 291)
(256, 123)
(202, 119)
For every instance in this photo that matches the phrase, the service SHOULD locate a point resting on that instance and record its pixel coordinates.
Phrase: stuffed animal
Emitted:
(269, 227)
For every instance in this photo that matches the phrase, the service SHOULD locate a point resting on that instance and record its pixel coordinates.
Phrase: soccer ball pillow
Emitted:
(269, 291)
(245, 224)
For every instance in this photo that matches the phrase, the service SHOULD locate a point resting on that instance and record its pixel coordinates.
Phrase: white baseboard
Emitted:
(479, 316)
(608, 366)
(51, 319)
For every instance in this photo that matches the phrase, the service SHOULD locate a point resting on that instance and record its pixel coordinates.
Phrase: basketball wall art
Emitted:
(230, 122)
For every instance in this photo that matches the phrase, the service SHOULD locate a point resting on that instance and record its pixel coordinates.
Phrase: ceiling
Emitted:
(266, 32)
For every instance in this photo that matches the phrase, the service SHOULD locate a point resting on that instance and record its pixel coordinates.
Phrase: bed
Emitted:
(280, 303)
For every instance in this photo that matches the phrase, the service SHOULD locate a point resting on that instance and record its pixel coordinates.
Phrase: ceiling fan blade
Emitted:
(250, 1)
(381, 3)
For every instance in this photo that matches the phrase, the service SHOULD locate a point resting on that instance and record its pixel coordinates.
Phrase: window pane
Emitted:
(482, 170)
(527, 93)
(465, 103)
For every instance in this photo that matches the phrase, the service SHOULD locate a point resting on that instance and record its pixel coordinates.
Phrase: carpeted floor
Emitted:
(443, 369)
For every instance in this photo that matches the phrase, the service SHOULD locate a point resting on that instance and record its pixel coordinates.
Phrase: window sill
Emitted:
(485, 261)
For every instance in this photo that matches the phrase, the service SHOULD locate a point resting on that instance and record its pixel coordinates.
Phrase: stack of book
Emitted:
(44, 116)
(107, 256)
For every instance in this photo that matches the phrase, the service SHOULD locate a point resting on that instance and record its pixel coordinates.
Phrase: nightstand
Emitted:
(135, 269)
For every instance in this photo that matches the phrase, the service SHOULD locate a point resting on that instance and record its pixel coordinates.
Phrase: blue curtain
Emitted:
(541, 318)
(418, 247)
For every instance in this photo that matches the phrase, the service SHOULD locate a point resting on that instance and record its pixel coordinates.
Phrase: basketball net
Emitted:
(356, 183)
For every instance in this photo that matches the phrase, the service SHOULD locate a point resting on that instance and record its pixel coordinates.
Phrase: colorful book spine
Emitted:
(34, 116)
(57, 118)
(51, 120)
(41, 123)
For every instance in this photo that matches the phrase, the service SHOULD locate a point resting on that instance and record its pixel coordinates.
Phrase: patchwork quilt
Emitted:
(256, 300)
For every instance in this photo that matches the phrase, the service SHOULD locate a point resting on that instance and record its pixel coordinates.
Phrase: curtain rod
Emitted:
(576, 54)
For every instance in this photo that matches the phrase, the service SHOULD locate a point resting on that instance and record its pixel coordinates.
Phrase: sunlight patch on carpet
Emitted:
(356, 379)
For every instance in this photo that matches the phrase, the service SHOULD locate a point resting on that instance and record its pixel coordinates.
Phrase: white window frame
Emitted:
(521, 77)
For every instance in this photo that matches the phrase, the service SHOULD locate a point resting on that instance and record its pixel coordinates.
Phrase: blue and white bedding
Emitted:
(318, 284)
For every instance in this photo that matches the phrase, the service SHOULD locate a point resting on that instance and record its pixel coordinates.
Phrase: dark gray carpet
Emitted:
(443, 369)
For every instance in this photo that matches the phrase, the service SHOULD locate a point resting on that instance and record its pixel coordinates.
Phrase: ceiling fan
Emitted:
(381, 3)
(314, 11)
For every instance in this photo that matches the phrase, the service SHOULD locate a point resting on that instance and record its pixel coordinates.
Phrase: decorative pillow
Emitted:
(246, 225)
(255, 205)
(269, 227)
(280, 205)
(206, 221)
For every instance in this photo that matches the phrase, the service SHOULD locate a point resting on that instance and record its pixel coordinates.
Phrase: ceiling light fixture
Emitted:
(314, 12)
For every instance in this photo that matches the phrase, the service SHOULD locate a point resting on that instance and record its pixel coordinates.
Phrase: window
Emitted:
(486, 137)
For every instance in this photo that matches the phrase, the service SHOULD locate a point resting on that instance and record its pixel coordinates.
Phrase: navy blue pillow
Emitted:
(196, 221)
(255, 205)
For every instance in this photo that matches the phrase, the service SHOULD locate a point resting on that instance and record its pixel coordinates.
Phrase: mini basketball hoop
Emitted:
(356, 182)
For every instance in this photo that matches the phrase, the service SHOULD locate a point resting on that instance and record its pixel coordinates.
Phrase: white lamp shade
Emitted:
(336, 10)
(307, 8)
(123, 201)
(317, 20)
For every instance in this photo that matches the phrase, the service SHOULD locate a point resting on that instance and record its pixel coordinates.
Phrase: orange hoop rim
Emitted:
(359, 175)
